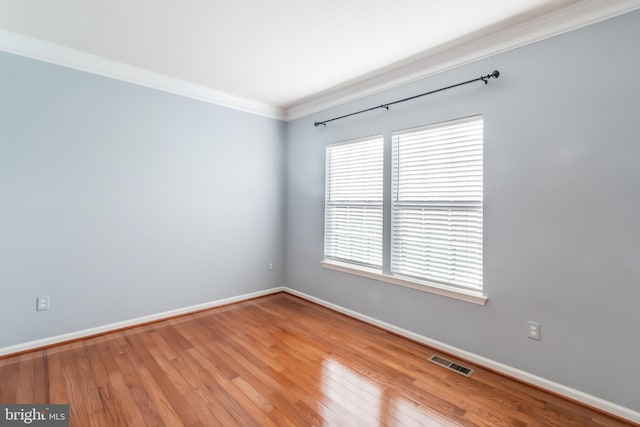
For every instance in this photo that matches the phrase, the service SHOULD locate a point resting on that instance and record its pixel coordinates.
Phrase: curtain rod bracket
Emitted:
(494, 75)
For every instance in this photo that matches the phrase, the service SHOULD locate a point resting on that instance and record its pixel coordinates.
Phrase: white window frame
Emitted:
(472, 295)
(437, 203)
(354, 202)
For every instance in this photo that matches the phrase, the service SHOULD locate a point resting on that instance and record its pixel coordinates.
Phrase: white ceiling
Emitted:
(280, 52)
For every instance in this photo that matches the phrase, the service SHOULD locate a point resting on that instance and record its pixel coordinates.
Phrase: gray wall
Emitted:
(119, 201)
(562, 196)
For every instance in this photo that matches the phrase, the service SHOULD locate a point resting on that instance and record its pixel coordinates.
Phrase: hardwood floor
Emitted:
(273, 361)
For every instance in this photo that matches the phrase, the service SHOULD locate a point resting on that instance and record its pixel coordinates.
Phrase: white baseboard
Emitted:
(526, 377)
(18, 348)
(510, 371)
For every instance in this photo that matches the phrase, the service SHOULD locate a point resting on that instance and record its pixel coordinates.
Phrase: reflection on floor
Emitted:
(346, 392)
(272, 361)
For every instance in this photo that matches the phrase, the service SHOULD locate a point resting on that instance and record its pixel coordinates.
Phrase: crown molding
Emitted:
(59, 55)
(482, 44)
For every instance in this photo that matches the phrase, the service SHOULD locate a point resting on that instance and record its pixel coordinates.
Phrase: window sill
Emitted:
(434, 288)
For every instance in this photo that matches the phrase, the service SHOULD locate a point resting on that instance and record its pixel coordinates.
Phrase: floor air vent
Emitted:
(462, 370)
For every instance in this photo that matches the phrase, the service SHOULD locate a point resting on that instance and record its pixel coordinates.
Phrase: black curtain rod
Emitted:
(485, 79)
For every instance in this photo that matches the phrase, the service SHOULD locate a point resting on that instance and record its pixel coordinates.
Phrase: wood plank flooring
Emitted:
(273, 361)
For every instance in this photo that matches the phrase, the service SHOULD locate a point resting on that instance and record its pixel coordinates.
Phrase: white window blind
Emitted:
(353, 204)
(436, 224)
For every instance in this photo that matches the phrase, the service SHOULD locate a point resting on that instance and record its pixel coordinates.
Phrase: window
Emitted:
(432, 239)
(353, 202)
(436, 209)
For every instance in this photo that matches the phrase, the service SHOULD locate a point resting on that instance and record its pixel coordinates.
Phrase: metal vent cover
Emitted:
(462, 370)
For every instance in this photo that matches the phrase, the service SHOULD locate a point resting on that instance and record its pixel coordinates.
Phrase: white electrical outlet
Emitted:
(270, 266)
(42, 303)
(534, 330)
